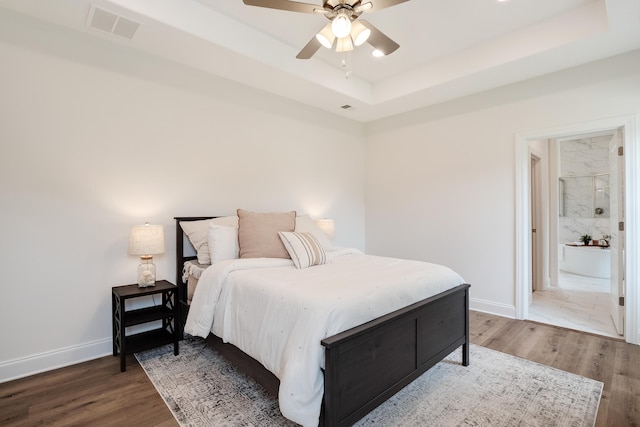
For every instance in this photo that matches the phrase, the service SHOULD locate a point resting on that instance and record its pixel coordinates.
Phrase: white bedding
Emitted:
(278, 314)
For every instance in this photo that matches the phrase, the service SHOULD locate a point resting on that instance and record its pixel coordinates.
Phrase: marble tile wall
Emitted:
(570, 229)
(584, 188)
(586, 156)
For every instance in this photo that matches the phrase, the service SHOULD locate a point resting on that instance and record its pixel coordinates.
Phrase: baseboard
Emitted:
(492, 308)
(34, 364)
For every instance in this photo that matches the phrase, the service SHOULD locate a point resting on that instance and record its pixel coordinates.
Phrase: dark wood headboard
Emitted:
(181, 258)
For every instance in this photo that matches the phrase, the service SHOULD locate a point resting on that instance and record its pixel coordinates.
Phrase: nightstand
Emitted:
(166, 312)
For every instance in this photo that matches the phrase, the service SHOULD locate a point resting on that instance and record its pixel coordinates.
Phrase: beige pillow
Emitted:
(198, 234)
(258, 233)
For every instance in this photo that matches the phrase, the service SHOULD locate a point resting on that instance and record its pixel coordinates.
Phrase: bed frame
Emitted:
(365, 365)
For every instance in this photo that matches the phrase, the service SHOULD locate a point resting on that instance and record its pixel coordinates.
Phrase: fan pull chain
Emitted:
(346, 64)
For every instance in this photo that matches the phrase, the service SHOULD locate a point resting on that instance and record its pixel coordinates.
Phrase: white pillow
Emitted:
(305, 250)
(223, 242)
(304, 224)
(198, 234)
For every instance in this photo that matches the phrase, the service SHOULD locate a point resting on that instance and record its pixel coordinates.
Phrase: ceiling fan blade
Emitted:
(311, 48)
(381, 4)
(292, 6)
(379, 40)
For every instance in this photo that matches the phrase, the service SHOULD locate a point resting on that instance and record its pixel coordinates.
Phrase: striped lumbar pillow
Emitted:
(304, 248)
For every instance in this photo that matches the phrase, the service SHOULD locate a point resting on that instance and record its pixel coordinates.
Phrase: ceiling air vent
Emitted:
(346, 106)
(109, 22)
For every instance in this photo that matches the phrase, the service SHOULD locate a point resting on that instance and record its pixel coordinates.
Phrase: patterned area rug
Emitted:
(497, 389)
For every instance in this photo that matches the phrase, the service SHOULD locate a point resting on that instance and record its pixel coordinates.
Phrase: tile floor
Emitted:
(579, 302)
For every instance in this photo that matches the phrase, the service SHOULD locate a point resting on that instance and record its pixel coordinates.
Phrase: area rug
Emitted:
(203, 389)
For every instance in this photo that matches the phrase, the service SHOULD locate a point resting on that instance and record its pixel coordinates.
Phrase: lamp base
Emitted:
(146, 272)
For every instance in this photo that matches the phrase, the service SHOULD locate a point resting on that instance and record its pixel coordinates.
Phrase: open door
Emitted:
(535, 226)
(617, 242)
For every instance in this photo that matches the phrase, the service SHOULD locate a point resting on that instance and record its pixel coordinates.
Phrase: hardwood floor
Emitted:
(96, 393)
(93, 393)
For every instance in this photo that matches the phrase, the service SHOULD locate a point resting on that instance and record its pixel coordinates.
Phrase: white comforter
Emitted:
(278, 314)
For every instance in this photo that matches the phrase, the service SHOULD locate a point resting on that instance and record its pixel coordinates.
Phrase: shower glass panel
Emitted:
(584, 196)
(601, 196)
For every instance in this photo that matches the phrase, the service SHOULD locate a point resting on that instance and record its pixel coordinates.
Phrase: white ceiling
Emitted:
(448, 48)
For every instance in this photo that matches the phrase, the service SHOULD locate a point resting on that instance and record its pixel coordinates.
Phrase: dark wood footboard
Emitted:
(368, 364)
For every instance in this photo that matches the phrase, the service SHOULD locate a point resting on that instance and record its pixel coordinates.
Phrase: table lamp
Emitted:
(146, 240)
(328, 227)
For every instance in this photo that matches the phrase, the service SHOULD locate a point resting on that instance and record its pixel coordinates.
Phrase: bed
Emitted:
(361, 366)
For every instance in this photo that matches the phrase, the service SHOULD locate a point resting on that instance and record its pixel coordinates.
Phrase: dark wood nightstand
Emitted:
(122, 318)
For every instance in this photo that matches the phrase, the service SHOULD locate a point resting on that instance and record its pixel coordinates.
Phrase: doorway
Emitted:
(524, 243)
(580, 290)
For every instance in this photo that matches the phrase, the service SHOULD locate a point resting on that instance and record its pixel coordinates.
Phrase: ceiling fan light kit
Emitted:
(359, 33)
(326, 36)
(341, 25)
(344, 44)
(344, 29)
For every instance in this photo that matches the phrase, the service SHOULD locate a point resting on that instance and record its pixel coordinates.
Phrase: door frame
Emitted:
(616, 165)
(630, 124)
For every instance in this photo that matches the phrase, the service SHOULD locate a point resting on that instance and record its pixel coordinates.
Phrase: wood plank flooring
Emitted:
(93, 393)
(96, 393)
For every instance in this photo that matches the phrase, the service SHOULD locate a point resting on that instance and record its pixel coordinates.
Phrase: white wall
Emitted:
(440, 180)
(95, 138)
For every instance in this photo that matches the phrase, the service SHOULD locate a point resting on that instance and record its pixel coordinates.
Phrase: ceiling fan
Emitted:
(345, 29)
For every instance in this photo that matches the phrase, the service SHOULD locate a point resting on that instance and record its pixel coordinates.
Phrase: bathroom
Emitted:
(580, 297)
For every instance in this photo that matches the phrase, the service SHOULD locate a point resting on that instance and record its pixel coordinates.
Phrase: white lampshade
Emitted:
(344, 44)
(326, 36)
(328, 227)
(146, 239)
(359, 33)
(341, 25)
